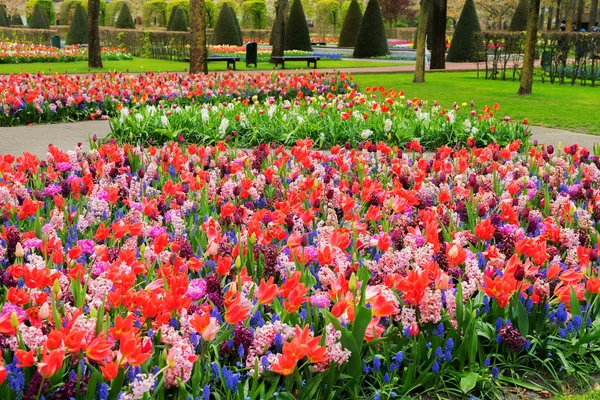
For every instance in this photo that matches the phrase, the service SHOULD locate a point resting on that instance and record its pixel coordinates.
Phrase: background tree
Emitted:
(352, 20)
(94, 49)
(437, 34)
(179, 23)
(46, 5)
(393, 10)
(125, 20)
(198, 51)
(426, 6)
(530, 42)
(4, 21)
(462, 45)
(278, 31)
(38, 19)
(238, 29)
(371, 40)
(593, 13)
(296, 29)
(171, 17)
(79, 29)
(225, 32)
(518, 23)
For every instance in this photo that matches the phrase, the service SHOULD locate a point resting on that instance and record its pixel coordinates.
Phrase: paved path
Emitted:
(35, 139)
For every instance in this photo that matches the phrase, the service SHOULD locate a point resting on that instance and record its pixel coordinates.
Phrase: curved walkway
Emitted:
(36, 138)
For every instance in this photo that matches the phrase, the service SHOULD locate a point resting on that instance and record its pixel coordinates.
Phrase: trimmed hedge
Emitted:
(4, 22)
(296, 29)
(328, 15)
(170, 19)
(46, 5)
(463, 48)
(238, 29)
(154, 9)
(352, 20)
(16, 20)
(179, 24)
(518, 23)
(112, 10)
(211, 11)
(78, 31)
(225, 30)
(38, 19)
(125, 20)
(344, 10)
(67, 10)
(371, 40)
(254, 14)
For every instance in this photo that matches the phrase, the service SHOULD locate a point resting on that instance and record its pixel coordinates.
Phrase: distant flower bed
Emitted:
(264, 54)
(397, 43)
(12, 53)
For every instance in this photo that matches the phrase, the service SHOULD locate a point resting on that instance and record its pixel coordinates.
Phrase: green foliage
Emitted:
(179, 24)
(352, 20)
(38, 19)
(3, 16)
(296, 29)
(328, 15)
(346, 6)
(237, 25)
(16, 20)
(46, 5)
(154, 9)
(209, 5)
(519, 19)
(102, 19)
(254, 14)
(170, 19)
(112, 10)
(371, 39)
(67, 9)
(225, 29)
(125, 20)
(233, 5)
(78, 31)
(462, 46)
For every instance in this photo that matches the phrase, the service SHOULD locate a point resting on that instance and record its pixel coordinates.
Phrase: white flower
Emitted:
(300, 119)
(271, 111)
(223, 126)
(204, 114)
(387, 125)
(366, 133)
(139, 117)
(474, 130)
(164, 121)
(467, 125)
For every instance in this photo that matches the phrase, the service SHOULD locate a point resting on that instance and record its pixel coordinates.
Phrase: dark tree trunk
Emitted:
(438, 34)
(557, 19)
(593, 14)
(530, 42)
(541, 21)
(421, 41)
(579, 14)
(569, 8)
(198, 52)
(278, 32)
(549, 23)
(94, 49)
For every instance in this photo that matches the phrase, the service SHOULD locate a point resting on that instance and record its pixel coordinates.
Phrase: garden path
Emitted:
(36, 138)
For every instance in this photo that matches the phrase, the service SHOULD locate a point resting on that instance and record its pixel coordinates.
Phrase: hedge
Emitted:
(152, 9)
(112, 11)
(211, 11)
(225, 31)
(344, 11)
(125, 20)
(254, 14)
(179, 24)
(67, 9)
(78, 31)
(371, 39)
(296, 29)
(518, 22)
(328, 16)
(352, 20)
(237, 25)
(46, 5)
(463, 47)
(4, 21)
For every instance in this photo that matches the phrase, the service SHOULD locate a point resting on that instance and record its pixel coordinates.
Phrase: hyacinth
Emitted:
(512, 338)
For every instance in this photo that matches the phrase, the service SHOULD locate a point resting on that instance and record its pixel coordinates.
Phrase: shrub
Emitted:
(154, 9)
(328, 15)
(225, 31)
(179, 24)
(170, 22)
(238, 29)
(254, 14)
(346, 6)
(125, 21)
(371, 40)
(518, 23)
(46, 5)
(38, 19)
(78, 31)
(462, 45)
(16, 20)
(296, 29)
(112, 10)
(4, 22)
(352, 20)
(209, 5)
(67, 9)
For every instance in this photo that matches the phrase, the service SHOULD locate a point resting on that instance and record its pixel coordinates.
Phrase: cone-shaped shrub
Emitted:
(462, 45)
(38, 20)
(125, 20)
(78, 31)
(171, 17)
(179, 24)
(518, 23)
(225, 30)
(371, 40)
(3, 16)
(237, 26)
(352, 20)
(296, 29)
(16, 20)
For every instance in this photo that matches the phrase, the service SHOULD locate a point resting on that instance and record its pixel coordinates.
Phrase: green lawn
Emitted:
(573, 108)
(151, 65)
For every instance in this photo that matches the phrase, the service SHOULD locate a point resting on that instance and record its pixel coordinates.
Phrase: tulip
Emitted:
(413, 331)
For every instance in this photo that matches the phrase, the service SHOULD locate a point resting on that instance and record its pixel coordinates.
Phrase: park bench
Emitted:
(319, 43)
(309, 60)
(230, 60)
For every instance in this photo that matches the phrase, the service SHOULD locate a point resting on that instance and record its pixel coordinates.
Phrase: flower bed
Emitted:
(327, 119)
(28, 98)
(191, 271)
(11, 53)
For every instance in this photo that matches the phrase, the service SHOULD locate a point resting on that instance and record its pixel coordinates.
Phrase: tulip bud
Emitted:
(520, 273)
(238, 262)
(44, 311)
(413, 331)
(252, 238)
(19, 252)
(56, 287)
(14, 320)
(352, 283)
(173, 258)
(550, 149)
(304, 240)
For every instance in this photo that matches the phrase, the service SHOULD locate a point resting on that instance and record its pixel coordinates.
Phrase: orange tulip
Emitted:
(99, 349)
(54, 340)
(266, 291)
(382, 306)
(237, 311)
(295, 299)
(593, 285)
(51, 363)
(24, 358)
(284, 365)
(110, 370)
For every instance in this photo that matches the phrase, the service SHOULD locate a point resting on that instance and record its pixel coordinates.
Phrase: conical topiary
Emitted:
(38, 19)
(371, 40)
(171, 17)
(125, 20)
(296, 29)
(462, 47)
(352, 20)
(237, 26)
(225, 31)
(179, 23)
(78, 31)
(518, 23)
(3, 16)
(16, 20)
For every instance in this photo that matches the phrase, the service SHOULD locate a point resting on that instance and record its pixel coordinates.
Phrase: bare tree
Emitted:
(530, 42)
(278, 32)
(198, 51)
(422, 41)
(94, 49)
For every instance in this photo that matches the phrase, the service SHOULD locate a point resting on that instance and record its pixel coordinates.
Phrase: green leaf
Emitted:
(522, 318)
(91, 387)
(468, 382)
(574, 303)
(116, 385)
(361, 322)
(526, 385)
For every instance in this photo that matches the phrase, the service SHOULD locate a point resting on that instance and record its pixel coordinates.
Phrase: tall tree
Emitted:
(393, 10)
(530, 42)
(94, 49)
(437, 30)
(426, 6)
(198, 51)
(278, 32)
(569, 8)
(557, 19)
(580, 4)
(593, 13)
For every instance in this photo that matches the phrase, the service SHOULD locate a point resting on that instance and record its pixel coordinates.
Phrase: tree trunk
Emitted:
(579, 14)
(593, 14)
(198, 52)
(530, 42)
(278, 32)
(541, 21)
(569, 8)
(557, 20)
(549, 23)
(94, 49)
(421, 41)
(438, 34)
